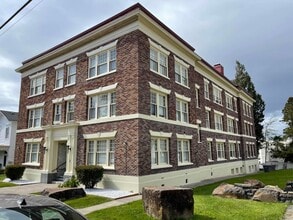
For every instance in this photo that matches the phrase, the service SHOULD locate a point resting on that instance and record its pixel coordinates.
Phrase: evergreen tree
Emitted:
(243, 80)
(288, 117)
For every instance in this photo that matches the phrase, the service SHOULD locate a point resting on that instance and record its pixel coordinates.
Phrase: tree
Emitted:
(243, 80)
(282, 150)
(288, 117)
(269, 133)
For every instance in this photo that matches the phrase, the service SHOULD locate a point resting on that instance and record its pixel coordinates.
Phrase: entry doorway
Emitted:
(61, 159)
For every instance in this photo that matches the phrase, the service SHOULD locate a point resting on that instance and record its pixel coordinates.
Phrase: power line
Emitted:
(21, 18)
(29, 1)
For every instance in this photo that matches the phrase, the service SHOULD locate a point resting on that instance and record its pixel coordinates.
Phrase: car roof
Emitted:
(15, 200)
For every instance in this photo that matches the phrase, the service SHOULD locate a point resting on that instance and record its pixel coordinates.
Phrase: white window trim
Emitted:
(69, 97)
(181, 62)
(182, 97)
(184, 139)
(102, 48)
(207, 108)
(159, 88)
(37, 105)
(57, 100)
(32, 140)
(100, 135)
(159, 47)
(38, 74)
(101, 90)
(71, 61)
(219, 113)
(59, 66)
(160, 134)
(184, 136)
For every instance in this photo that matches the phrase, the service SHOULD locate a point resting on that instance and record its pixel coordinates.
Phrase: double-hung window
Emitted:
(217, 94)
(183, 150)
(59, 78)
(230, 125)
(182, 108)
(37, 83)
(58, 113)
(71, 74)
(229, 101)
(218, 121)
(232, 150)
(101, 152)
(158, 59)
(69, 110)
(208, 118)
(102, 105)
(32, 153)
(35, 117)
(160, 151)
(181, 72)
(158, 104)
(206, 89)
(221, 150)
(103, 62)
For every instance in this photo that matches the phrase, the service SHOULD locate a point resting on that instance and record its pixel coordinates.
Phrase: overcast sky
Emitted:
(258, 33)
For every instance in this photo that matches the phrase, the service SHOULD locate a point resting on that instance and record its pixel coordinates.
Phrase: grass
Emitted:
(86, 201)
(2, 177)
(208, 207)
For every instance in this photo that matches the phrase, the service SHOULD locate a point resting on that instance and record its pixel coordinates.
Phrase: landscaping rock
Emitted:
(168, 203)
(229, 191)
(267, 194)
(256, 184)
(64, 193)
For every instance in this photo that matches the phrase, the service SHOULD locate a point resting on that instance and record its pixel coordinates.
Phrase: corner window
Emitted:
(158, 104)
(101, 152)
(158, 62)
(37, 85)
(159, 151)
(102, 105)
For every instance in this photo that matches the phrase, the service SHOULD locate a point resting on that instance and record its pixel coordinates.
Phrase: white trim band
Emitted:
(100, 135)
(160, 134)
(160, 88)
(37, 105)
(101, 89)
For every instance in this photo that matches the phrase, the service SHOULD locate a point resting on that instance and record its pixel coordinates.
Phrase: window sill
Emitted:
(101, 75)
(68, 85)
(31, 164)
(185, 164)
(31, 96)
(233, 158)
(182, 85)
(209, 160)
(58, 88)
(108, 168)
(160, 74)
(221, 159)
(161, 166)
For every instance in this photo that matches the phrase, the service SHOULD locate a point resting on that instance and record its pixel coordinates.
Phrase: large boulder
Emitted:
(267, 194)
(64, 193)
(168, 202)
(226, 190)
(255, 184)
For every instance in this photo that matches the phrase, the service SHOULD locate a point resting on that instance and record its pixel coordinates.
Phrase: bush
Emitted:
(72, 182)
(89, 175)
(14, 172)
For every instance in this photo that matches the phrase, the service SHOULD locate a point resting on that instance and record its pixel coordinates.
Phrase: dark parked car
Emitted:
(33, 207)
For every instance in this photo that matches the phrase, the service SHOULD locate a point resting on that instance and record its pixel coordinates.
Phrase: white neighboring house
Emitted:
(8, 126)
(265, 155)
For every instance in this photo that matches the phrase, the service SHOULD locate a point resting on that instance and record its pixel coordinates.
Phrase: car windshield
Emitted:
(39, 213)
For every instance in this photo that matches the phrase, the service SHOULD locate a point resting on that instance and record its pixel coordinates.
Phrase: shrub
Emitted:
(14, 172)
(72, 182)
(89, 175)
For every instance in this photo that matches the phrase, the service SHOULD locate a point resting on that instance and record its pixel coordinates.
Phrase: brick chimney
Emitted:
(219, 68)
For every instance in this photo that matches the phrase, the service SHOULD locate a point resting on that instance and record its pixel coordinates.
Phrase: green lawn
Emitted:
(87, 201)
(2, 177)
(207, 207)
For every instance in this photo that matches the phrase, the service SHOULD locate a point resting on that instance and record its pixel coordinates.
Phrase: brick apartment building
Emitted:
(131, 95)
